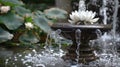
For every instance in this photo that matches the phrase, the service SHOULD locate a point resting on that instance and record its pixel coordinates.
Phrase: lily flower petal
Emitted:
(94, 20)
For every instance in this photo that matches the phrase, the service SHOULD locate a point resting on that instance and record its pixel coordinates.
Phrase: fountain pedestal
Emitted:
(87, 33)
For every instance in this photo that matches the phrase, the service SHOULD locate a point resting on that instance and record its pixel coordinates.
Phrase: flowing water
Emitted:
(78, 41)
(108, 55)
(103, 11)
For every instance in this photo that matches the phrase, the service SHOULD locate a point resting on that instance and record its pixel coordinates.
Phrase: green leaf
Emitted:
(21, 10)
(42, 22)
(28, 37)
(5, 35)
(11, 2)
(11, 21)
(56, 13)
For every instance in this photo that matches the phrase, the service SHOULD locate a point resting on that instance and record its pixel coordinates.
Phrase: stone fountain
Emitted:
(80, 33)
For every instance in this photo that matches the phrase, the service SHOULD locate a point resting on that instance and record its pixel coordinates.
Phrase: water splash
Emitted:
(78, 41)
(82, 6)
(50, 56)
(115, 17)
(58, 40)
(103, 11)
(42, 59)
(99, 33)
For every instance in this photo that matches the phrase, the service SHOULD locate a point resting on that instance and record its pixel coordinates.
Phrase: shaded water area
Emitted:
(21, 57)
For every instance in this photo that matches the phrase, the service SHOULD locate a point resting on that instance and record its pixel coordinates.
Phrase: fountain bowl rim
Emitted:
(71, 26)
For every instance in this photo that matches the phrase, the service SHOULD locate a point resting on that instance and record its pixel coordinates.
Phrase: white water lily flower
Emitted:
(84, 16)
(4, 9)
(29, 25)
(74, 17)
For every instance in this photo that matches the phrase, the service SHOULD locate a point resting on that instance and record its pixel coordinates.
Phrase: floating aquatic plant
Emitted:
(83, 17)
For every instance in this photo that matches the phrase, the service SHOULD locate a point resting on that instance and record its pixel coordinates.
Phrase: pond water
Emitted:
(29, 57)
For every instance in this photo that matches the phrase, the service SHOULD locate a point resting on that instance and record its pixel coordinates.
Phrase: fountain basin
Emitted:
(70, 26)
(88, 32)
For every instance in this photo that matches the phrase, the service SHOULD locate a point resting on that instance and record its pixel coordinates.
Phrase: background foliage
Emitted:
(12, 23)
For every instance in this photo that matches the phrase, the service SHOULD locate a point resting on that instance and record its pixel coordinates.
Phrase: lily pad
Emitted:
(11, 2)
(42, 22)
(21, 10)
(11, 20)
(56, 13)
(5, 35)
(28, 37)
